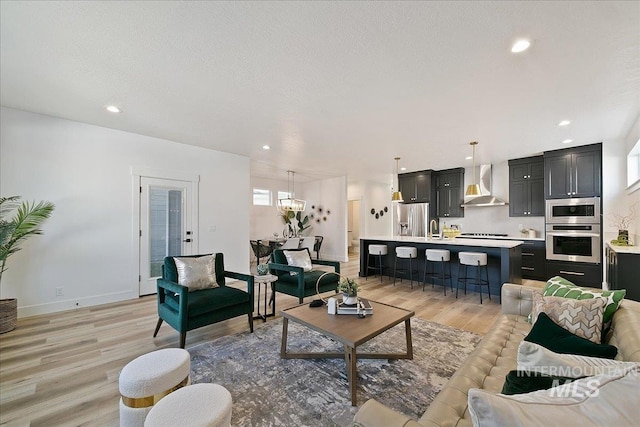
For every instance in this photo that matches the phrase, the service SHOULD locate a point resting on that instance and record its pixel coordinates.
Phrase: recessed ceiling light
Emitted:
(113, 109)
(520, 46)
(266, 147)
(567, 141)
(468, 158)
(403, 169)
(564, 123)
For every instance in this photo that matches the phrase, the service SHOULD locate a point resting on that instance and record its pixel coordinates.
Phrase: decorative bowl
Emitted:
(450, 233)
(262, 269)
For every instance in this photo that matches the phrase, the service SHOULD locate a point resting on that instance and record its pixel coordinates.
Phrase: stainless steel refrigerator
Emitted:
(410, 219)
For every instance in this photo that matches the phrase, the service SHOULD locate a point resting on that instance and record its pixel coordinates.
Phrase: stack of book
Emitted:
(362, 307)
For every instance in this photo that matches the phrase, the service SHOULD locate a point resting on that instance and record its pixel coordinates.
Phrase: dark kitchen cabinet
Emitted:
(573, 172)
(580, 273)
(526, 186)
(449, 192)
(623, 270)
(415, 186)
(533, 260)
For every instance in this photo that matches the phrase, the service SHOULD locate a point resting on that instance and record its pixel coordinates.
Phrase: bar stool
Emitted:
(442, 257)
(409, 253)
(477, 260)
(377, 251)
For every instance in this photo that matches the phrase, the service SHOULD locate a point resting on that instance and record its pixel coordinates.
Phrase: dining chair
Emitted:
(308, 242)
(318, 245)
(293, 243)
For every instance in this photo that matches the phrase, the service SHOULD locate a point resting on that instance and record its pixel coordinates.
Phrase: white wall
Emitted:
(89, 247)
(265, 220)
(328, 194)
(372, 195)
(633, 197)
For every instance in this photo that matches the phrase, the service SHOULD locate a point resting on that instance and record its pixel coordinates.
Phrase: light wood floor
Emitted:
(62, 369)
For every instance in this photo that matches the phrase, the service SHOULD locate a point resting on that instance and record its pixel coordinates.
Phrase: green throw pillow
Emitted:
(560, 287)
(518, 382)
(549, 335)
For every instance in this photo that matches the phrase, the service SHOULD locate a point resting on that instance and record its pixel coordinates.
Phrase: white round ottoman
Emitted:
(199, 405)
(147, 379)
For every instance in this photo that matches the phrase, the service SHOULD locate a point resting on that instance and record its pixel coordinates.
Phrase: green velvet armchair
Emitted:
(303, 284)
(185, 310)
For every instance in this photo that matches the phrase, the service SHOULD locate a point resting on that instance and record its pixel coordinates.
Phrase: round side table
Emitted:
(266, 280)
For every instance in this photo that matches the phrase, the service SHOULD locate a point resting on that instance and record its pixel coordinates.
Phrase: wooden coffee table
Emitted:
(351, 331)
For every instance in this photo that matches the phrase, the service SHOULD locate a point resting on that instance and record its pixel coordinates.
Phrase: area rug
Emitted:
(270, 391)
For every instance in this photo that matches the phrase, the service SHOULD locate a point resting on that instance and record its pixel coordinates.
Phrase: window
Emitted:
(261, 197)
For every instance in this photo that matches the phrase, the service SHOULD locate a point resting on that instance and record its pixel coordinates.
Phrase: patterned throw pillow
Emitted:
(197, 273)
(561, 287)
(580, 317)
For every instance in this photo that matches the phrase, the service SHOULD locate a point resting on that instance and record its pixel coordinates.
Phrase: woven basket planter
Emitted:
(8, 314)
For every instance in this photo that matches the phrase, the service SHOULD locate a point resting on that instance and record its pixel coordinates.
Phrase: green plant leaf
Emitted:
(25, 223)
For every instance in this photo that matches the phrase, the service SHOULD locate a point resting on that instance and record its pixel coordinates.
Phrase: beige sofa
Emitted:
(494, 357)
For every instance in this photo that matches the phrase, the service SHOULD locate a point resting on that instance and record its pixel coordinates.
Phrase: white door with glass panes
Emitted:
(165, 226)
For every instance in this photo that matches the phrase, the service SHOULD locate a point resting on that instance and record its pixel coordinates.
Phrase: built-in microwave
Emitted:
(573, 211)
(573, 242)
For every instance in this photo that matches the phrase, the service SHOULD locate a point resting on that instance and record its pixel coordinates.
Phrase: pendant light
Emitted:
(473, 189)
(397, 195)
(291, 203)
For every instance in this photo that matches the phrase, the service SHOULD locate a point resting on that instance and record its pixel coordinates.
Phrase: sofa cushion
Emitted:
(535, 358)
(518, 381)
(169, 271)
(580, 317)
(310, 279)
(546, 333)
(561, 287)
(208, 300)
(599, 400)
(279, 257)
(299, 258)
(196, 273)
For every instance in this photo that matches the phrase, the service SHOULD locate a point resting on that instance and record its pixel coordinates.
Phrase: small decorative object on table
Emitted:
(622, 223)
(349, 289)
(262, 269)
(361, 308)
(450, 232)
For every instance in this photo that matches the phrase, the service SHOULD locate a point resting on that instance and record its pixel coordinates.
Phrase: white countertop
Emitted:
(540, 239)
(459, 241)
(624, 249)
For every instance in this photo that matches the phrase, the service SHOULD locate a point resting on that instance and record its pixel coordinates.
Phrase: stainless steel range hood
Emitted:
(485, 199)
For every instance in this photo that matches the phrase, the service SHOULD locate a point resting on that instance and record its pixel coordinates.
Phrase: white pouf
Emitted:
(199, 405)
(147, 379)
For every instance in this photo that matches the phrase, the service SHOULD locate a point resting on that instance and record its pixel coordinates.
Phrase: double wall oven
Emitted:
(573, 230)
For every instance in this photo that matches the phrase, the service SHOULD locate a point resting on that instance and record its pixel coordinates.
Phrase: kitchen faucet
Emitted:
(431, 227)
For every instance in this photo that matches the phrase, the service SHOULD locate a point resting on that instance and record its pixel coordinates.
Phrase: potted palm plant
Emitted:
(26, 222)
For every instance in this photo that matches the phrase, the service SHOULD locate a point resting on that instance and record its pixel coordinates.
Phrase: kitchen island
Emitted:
(504, 257)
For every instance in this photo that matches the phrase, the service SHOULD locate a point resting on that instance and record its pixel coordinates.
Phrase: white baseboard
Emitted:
(54, 307)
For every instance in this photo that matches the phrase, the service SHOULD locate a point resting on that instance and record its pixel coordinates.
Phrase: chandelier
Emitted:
(291, 203)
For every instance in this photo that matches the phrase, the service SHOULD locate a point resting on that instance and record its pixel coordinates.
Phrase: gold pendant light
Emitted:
(473, 189)
(397, 195)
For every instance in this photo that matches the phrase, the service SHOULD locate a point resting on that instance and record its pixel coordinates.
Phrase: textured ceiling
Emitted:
(335, 88)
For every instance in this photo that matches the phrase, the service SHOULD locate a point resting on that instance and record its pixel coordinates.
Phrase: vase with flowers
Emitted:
(349, 289)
